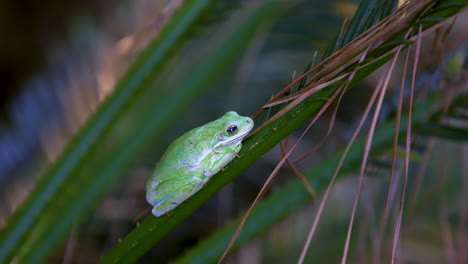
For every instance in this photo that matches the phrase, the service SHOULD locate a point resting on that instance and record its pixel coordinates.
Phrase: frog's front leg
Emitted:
(220, 158)
(169, 194)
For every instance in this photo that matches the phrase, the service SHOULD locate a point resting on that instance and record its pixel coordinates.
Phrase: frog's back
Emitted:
(177, 159)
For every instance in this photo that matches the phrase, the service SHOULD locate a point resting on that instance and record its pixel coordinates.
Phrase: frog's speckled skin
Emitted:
(191, 160)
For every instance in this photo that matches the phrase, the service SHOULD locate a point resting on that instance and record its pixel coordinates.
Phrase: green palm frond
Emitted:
(156, 90)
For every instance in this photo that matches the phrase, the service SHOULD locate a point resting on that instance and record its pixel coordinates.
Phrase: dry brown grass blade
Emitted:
(420, 177)
(381, 31)
(291, 106)
(301, 176)
(329, 60)
(273, 174)
(332, 181)
(330, 185)
(343, 89)
(70, 247)
(332, 66)
(142, 214)
(447, 234)
(397, 50)
(408, 145)
(286, 89)
(330, 127)
(369, 40)
(329, 68)
(440, 40)
(306, 93)
(389, 200)
(298, 173)
(395, 138)
(429, 146)
(384, 84)
(312, 89)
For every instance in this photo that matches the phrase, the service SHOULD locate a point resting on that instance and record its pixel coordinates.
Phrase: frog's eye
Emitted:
(231, 130)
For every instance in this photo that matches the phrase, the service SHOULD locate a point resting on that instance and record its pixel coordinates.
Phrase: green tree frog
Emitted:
(193, 158)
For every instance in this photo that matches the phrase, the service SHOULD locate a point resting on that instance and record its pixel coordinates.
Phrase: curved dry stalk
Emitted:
(330, 127)
(408, 146)
(373, 124)
(298, 173)
(322, 203)
(332, 181)
(267, 183)
(349, 54)
(395, 138)
(311, 190)
(389, 199)
(311, 88)
(447, 234)
(419, 178)
(335, 64)
(307, 92)
(70, 247)
(298, 100)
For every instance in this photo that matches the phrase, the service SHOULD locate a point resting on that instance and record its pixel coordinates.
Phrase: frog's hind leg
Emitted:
(169, 195)
(157, 192)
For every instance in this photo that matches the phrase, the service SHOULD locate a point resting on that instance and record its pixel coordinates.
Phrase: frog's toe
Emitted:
(156, 212)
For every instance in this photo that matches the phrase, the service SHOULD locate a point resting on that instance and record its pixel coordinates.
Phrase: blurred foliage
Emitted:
(192, 57)
(25, 27)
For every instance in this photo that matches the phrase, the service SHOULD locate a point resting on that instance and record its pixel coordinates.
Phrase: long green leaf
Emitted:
(62, 169)
(82, 184)
(442, 131)
(153, 229)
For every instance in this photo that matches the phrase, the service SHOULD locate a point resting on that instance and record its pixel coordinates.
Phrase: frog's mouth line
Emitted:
(231, 141)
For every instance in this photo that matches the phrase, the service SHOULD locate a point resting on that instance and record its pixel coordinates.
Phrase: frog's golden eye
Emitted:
(231, 130)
